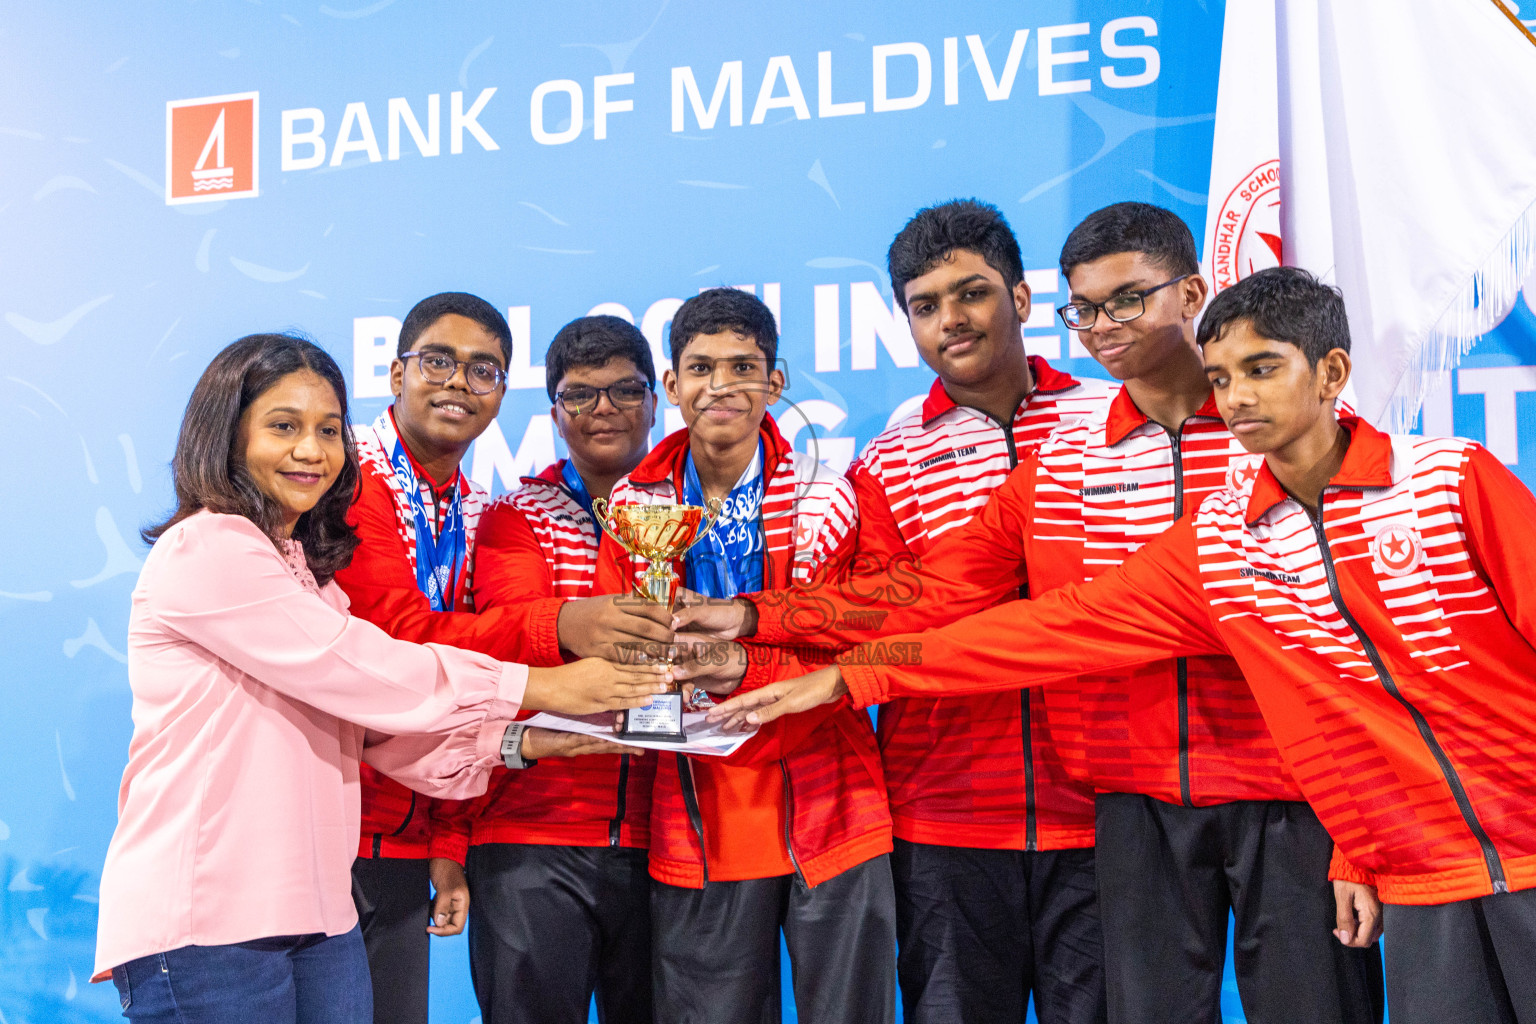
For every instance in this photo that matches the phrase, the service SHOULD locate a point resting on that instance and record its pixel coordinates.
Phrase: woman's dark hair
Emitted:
(592, 341)
(209, 472)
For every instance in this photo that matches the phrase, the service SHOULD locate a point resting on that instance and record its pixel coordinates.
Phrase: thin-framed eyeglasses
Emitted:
(583, 398)
(481, 376)
(1121, 308)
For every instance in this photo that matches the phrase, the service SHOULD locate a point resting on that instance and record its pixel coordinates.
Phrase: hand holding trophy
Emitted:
(657, 534)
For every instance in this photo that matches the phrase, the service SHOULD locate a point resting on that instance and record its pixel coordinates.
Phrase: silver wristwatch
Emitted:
(512, 747)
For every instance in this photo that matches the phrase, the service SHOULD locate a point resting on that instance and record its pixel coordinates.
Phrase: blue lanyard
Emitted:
(578, 488)
(439, 557)
(729, 560)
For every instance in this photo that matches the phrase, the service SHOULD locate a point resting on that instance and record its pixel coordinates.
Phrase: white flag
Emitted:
(1242, 217)
(1407, 174)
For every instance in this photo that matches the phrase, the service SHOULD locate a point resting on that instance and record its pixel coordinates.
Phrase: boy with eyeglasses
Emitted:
(557, 851)
(1376, 589)
(792, 832)
(416, 515)
(1196, 815)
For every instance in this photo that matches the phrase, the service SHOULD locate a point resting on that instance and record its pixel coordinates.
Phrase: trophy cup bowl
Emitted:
(657, 534)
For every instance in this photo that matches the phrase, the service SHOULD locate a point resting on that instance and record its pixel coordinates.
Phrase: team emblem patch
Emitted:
(1242, 471)
(805, 532)
(1397, 550)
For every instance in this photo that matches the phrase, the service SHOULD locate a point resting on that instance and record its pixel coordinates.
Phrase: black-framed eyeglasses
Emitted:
(482, 376)
(1121, 308)
(583, 398)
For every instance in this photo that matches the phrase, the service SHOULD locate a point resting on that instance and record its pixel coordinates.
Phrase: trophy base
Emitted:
(660, 721)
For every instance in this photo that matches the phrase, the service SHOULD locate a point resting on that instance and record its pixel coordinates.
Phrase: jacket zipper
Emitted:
(1181, 665)
(789, 815)
(1031, 839)
(378, 837)
(616, 825)
(410, 813)
(684, 770)
(691, 803)
(1026, 732)
(1463, 802)
(789, 804)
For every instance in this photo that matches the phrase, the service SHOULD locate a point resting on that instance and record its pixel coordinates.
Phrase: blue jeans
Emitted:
(287, 979)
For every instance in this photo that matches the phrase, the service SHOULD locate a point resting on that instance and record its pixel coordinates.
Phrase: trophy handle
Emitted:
(600, 506)
(712, 507)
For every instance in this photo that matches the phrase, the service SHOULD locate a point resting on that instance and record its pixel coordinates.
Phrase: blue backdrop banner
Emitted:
(177, 175)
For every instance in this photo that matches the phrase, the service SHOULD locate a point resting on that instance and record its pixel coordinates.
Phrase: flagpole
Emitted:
(1518, 23)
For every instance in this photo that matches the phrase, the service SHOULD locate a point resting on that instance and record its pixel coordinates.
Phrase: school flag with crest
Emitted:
(1388, 146)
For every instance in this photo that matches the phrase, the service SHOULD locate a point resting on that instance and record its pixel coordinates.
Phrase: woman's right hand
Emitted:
(539, 743)
(592, 685)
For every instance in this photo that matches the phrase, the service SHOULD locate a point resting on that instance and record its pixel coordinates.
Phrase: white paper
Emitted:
(703, 738)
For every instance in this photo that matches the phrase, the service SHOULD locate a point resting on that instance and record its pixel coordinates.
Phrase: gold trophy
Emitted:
(657, 534)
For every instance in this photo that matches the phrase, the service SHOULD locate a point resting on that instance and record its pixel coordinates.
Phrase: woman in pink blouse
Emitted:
(226, 891)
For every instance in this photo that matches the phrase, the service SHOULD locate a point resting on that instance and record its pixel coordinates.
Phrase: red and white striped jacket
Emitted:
(538, 542)
(381, 585)
(959, 770)
(1389, 642)
(1186, 730)
(837, 813)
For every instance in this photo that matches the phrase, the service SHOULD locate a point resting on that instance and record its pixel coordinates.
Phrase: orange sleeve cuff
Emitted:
(770, 622)
(544, 633)
(865, 687)
(759, 669)
(452, 845)
(1341, 870)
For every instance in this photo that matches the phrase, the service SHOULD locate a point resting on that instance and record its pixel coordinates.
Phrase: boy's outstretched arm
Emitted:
(1152, 607)
(887, 588)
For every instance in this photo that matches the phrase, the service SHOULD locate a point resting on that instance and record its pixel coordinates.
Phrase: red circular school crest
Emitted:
(1242, 472)
(1247, 236)
(805, 532)
(1397, 549)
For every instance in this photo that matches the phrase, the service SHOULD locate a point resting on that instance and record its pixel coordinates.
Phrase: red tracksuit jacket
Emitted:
(959, 770)
(1182, 730)
(1388, 642)
(381, 584)
(535, 543)
(834, 793)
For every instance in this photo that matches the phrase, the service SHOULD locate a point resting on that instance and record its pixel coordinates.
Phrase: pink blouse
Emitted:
(254, 696)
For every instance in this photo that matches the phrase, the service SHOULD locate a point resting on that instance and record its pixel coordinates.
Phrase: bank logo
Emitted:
(1248, 227)
(210, 148)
